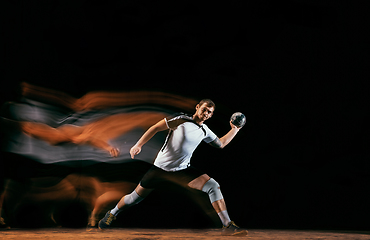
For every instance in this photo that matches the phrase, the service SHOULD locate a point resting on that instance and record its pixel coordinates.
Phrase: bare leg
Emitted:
(112, 193)
(126, 201)
(198, 184)
(219, 205)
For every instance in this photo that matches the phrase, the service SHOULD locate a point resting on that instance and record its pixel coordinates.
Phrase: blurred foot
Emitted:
(92, 224)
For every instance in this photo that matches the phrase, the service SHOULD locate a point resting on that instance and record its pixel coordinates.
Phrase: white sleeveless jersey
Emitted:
(183, 138)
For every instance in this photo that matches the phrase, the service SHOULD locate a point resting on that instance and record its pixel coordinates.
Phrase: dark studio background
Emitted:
(296, 68)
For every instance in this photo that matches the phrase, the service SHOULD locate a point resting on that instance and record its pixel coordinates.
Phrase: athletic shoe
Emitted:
(106, 221)
(233, 230)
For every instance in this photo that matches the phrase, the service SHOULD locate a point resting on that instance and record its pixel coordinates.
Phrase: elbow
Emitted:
(223, 143)
(218, 143)
(221, 146)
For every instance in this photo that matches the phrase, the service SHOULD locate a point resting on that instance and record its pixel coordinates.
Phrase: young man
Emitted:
(173, 163)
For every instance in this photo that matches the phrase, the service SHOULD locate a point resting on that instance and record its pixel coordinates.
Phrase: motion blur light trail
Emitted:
(105, 127)
(105, 99)
(67, 151)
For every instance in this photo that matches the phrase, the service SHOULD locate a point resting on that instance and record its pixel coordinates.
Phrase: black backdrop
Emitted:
(297, 69)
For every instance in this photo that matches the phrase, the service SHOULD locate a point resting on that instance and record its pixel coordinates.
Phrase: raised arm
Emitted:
(160, 126)
(222, 142)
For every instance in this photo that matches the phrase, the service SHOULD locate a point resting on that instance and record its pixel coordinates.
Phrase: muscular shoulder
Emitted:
(175, 120)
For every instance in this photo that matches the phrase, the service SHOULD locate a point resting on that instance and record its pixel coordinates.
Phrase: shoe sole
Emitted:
(240, 234)
(236, 234)
(92, 229)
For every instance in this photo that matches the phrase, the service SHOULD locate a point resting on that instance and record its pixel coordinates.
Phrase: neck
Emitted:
(197, 120)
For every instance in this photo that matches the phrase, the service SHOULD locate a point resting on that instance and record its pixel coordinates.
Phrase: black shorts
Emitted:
(156, 177)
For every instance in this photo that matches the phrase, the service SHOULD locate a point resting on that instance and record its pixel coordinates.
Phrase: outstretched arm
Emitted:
(160, 126)
(222, 142)
(99, 143)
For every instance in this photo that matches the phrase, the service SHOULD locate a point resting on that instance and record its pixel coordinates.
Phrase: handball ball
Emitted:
(238, 119)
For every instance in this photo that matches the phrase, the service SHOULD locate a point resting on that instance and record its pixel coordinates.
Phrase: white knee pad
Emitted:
(132, 199)
(212, 188)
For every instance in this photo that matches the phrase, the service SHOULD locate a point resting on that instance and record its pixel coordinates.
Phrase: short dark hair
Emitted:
(208, 102)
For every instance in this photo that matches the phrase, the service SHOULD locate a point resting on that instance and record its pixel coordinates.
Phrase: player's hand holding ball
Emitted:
(237, 120)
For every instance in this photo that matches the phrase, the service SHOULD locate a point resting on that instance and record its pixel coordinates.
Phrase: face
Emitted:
(203, 112)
